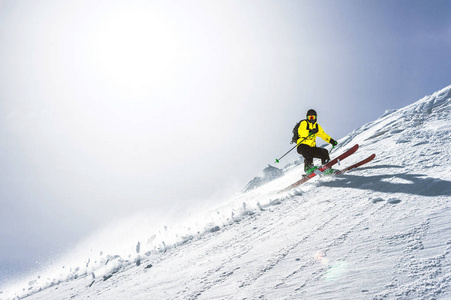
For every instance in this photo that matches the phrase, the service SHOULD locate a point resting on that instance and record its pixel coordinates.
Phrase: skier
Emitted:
(307, 132)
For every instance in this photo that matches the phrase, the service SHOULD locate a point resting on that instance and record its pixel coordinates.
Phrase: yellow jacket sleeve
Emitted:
(323, 135)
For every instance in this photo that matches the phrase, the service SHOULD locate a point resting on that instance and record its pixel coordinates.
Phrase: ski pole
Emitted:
(297, 144)
(277, 160)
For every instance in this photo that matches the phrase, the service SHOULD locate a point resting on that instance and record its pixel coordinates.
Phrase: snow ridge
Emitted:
(379, 231)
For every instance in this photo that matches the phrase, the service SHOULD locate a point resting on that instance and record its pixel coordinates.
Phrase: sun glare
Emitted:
(135, 51)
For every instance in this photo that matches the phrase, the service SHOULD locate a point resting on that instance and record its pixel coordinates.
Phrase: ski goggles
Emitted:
(311, 118)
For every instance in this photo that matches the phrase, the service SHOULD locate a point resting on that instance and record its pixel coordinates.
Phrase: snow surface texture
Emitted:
(381, 231)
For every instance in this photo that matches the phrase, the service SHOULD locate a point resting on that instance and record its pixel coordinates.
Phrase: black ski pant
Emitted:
(312, 152)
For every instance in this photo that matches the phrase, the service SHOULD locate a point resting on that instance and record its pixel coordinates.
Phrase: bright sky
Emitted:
(108, 108)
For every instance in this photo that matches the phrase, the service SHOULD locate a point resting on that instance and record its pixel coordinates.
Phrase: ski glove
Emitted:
(333, 142)
(313, 131)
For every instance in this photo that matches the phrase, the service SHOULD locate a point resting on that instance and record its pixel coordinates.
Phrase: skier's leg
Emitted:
(321, 153)
(324, 156)
(307, 152)
(308, 163)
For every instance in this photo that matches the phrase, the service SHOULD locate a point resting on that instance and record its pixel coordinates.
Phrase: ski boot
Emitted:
(325, 172)
(311, 170)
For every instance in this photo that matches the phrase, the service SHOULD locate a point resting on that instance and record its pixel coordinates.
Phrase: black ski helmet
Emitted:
(311, 112)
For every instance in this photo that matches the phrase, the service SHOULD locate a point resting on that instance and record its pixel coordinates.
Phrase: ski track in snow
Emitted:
(381, 231)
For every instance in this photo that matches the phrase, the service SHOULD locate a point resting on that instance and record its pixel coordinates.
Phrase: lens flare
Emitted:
(336, 270)
(321, 257)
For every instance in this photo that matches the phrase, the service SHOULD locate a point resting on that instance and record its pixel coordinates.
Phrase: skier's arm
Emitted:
(323, 135)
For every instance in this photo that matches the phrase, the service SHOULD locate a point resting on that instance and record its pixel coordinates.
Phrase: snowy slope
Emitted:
(380, 231)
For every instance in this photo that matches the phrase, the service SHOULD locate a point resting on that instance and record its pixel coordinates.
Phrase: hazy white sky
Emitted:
(112, 107)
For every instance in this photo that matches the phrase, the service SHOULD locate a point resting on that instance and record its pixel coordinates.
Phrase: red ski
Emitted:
(321, 169)
(360, 163)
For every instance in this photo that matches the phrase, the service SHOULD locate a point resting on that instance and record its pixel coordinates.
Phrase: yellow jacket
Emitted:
(303, 132)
